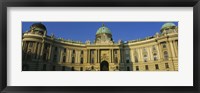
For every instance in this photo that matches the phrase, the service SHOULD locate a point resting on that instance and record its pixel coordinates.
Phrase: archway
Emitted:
(104, 66)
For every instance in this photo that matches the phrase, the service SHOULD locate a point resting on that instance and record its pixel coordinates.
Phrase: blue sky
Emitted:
(82, 31)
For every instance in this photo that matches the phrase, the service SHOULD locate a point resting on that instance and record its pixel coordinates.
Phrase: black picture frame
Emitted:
(100, 3)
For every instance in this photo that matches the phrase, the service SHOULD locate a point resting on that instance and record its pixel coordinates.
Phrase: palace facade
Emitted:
(41, 52)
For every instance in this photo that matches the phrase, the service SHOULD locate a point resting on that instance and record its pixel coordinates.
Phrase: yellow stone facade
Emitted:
(41, 52)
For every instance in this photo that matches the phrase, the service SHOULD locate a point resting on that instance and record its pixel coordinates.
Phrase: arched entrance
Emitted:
(104, 66)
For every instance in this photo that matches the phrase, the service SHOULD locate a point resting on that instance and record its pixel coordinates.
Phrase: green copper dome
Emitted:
(38, 26)
(103, 30)
(167, 25)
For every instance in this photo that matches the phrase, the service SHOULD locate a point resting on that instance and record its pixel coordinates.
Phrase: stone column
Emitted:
(70, 56)
(119, 56)
(160, 52)
(78, 57)
(89, 57)
(35, 51)
(140, 55)
(172, 49)
(42, 49)
(97, 55)
(149, 54)
(49, 56)
(169, 50)
(25, 46)
(38, 50)
(175, 48)
(122, 50)
(110, 55)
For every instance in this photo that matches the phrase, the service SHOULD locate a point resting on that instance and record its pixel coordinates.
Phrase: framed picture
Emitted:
(106, 46)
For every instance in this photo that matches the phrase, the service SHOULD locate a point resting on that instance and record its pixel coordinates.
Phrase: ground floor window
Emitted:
(81, 69)
(137, 68)
(166, 65)
(128, 68)
(156, 66)
(72, 69)
(44, 67)
(63, 68)
(146, 67)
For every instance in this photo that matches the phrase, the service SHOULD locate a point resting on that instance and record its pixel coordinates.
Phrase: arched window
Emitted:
(73, 59)
(165, 55)
(155, 57)
(136, 59)
(145, 58)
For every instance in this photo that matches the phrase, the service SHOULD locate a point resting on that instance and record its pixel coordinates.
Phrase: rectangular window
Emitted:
(156, 66)
(72, 69)
(137, 68)
(81, 60)
(30, 44)
(127, 51)
(65, 50)
(81, 69)
(64, 59)
(92, 52)
(92, 60)
(73, 60)
(81, 51)
(166, 65)
(128, 69)
(127, 60)
(55, 58)
(115, 52)
(54, 68)
(56, 48)
(73, 51)
(146, 67)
